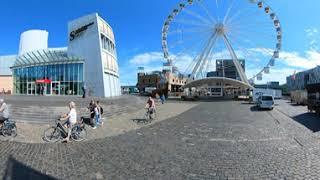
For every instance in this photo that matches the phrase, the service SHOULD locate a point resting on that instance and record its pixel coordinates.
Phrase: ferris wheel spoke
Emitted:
(245, 40)
(246, 36)
(254, 22)
(242, 49)
(238, 13)
(199, 17)
(256, 48)
(248, 12)
(191, 23)
(186, 50)
(228, 12)
(204, 53)
(251, 31)
(192, 40)
(188, 30)
(213, 19)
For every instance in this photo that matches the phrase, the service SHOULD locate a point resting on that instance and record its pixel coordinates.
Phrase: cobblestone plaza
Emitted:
(202, 140)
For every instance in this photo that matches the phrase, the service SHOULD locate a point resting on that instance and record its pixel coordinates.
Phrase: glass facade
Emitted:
(60, 79)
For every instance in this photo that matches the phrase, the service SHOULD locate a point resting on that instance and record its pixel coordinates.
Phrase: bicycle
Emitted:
(8, 128)
(150, 115)
(58, 132)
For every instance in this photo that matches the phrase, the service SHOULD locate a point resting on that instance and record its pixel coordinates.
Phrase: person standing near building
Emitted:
(84, 91)
(4, 111)
(41, 90)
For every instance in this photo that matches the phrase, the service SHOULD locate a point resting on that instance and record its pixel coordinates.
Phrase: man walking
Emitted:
(4, 111)
(84, 91)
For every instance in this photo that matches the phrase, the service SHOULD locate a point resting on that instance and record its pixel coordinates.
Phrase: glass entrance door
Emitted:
(31, 88)
(55, 88)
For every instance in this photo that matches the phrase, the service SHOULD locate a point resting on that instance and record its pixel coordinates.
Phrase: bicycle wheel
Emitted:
(146, 116)
(153, 115)
(52, 134)
(9, 131)
(79, 134)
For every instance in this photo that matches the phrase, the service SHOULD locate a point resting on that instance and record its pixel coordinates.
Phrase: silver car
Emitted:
(266, 102)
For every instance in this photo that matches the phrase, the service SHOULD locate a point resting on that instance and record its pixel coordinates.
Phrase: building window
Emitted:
(107, 44)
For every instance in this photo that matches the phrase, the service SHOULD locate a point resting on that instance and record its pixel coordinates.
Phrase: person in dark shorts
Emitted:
(92, 113)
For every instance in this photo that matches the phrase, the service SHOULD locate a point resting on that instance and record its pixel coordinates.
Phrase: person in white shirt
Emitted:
(71, 118)
(4, 111)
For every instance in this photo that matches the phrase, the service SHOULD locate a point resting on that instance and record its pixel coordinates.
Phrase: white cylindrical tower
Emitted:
(33, 40)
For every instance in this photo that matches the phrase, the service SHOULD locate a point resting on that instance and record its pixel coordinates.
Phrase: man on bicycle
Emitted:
(4, 111)
(151, 106)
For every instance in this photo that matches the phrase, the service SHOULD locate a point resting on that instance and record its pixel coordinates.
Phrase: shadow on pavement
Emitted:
(256, 108)
(18, 170)
(140, 121)
(309, 120)
(247, 103)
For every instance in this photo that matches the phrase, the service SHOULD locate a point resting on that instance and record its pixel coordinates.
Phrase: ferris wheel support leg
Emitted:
(239, 68)
(204, 55)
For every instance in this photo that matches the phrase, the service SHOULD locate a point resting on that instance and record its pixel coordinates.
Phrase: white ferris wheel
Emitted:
(198, 32)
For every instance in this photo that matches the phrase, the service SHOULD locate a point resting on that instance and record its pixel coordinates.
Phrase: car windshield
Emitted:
(267, 98)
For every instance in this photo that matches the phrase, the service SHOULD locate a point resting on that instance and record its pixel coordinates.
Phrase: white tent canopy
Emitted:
(213, 81)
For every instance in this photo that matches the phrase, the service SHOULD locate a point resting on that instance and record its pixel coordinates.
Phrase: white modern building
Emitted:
(89, 61)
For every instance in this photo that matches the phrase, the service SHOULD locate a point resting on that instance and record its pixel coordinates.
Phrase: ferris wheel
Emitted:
(198, 34)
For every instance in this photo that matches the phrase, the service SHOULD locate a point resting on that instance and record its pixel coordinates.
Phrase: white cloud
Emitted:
(311, 31)
(147, 58)
(313, 38)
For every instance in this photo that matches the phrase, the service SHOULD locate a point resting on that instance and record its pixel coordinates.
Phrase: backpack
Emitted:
(101, 110)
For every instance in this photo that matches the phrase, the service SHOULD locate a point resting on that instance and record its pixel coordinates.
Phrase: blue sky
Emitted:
(137, 27)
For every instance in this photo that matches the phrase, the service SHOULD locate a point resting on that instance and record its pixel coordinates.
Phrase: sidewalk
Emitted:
(113, 125)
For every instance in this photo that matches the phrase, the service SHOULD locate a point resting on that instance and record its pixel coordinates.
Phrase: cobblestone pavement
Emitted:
(214, 140)
(114, 124)
(39, 109)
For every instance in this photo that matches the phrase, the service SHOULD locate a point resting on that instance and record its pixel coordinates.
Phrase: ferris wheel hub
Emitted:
(219, 29)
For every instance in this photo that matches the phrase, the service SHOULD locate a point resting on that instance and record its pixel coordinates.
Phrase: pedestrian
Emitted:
(41, 90)
(84, 91)
(96, 116)
(4, 111)
(162, 98)
(91, 109)
(100, 110)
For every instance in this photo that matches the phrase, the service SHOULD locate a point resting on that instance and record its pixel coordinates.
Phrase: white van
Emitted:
(265, 102)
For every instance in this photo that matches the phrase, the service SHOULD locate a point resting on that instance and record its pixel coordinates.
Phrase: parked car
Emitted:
(266, 102)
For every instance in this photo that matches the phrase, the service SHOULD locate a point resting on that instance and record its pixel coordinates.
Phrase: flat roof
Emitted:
(45, 57)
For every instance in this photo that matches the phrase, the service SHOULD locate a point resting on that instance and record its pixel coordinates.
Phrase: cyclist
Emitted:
(71, 118)
(151, 105)
(4, 111)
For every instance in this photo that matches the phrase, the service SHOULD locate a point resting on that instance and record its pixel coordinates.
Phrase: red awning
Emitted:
(46, 81)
